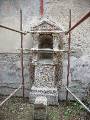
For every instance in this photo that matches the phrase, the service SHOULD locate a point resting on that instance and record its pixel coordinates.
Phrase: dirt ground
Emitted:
(18, 109)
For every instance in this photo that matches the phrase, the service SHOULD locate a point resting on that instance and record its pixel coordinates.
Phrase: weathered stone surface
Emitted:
(40, 108)
(10, 76)
(50, 93)
(10, 72)
(44, 75)
(79, 78)
(80, 70)
(41, 100)
(80, 75)
(80, 36)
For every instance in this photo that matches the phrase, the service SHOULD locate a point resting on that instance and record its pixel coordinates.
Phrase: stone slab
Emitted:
(40, 108)
(50, 93)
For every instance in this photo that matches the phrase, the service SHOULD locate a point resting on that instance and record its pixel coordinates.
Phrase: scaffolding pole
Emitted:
(10, 95)
(41, 8)
(69, 47)
(11, 29)
(78, 99)
(79, 22)
(22, 71)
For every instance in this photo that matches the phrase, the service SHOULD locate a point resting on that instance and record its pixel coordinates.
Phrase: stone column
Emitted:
(55, 41)
(61, 40)
(35, 39)
(35, 57)
(35, 48)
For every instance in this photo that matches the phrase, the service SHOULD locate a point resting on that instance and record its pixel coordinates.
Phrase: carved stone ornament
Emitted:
(46, 25)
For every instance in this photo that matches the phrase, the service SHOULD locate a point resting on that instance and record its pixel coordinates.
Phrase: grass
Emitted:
(17, 109)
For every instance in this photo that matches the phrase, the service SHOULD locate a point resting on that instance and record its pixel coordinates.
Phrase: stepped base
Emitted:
(50, 93)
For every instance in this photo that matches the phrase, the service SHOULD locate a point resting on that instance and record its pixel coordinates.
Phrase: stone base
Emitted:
(40, 108)
(50, 93)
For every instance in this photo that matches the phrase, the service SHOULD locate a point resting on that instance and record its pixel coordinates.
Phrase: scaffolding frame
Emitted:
(21, 32)
(87, 15)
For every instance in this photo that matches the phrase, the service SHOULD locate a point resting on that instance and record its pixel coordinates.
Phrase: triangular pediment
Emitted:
(46, 25)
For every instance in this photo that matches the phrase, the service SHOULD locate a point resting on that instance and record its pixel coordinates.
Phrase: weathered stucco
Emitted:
(9, 16)
(10, 71)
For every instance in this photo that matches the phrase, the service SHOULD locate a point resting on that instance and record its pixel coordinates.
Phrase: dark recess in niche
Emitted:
(45, 42)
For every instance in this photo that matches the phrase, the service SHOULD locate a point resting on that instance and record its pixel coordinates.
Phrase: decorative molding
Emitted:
(46, 26)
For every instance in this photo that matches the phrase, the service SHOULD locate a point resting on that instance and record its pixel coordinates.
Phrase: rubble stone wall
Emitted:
(44, 75)
(10, 72)
(10, 42)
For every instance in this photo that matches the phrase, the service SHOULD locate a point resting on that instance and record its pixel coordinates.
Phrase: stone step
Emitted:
(40, 108)
(50, 93)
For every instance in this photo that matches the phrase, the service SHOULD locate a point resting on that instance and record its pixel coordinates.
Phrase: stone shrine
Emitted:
(46, 61)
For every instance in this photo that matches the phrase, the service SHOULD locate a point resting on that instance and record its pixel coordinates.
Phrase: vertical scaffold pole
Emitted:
(22, 71)
(69, 47)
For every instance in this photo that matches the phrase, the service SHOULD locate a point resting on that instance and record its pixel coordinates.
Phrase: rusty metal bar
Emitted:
(79, 22)
(10, 95)
(8, 28)
(78, 99)
(69, 47)
(22, 52)
(41, 8)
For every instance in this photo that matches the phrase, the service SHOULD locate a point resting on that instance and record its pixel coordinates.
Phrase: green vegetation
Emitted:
(17, 109)
(73, 109)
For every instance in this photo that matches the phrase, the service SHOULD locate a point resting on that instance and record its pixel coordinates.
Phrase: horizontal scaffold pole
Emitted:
(8, 28)
(79, 22)
(10, 95)
(44, 31)
(78, 99)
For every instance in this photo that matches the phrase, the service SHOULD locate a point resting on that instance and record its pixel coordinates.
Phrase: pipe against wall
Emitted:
(69, 47)
(41, 8)
(22, 53)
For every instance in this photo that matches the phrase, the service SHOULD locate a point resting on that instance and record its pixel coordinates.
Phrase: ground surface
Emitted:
(17, 109)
